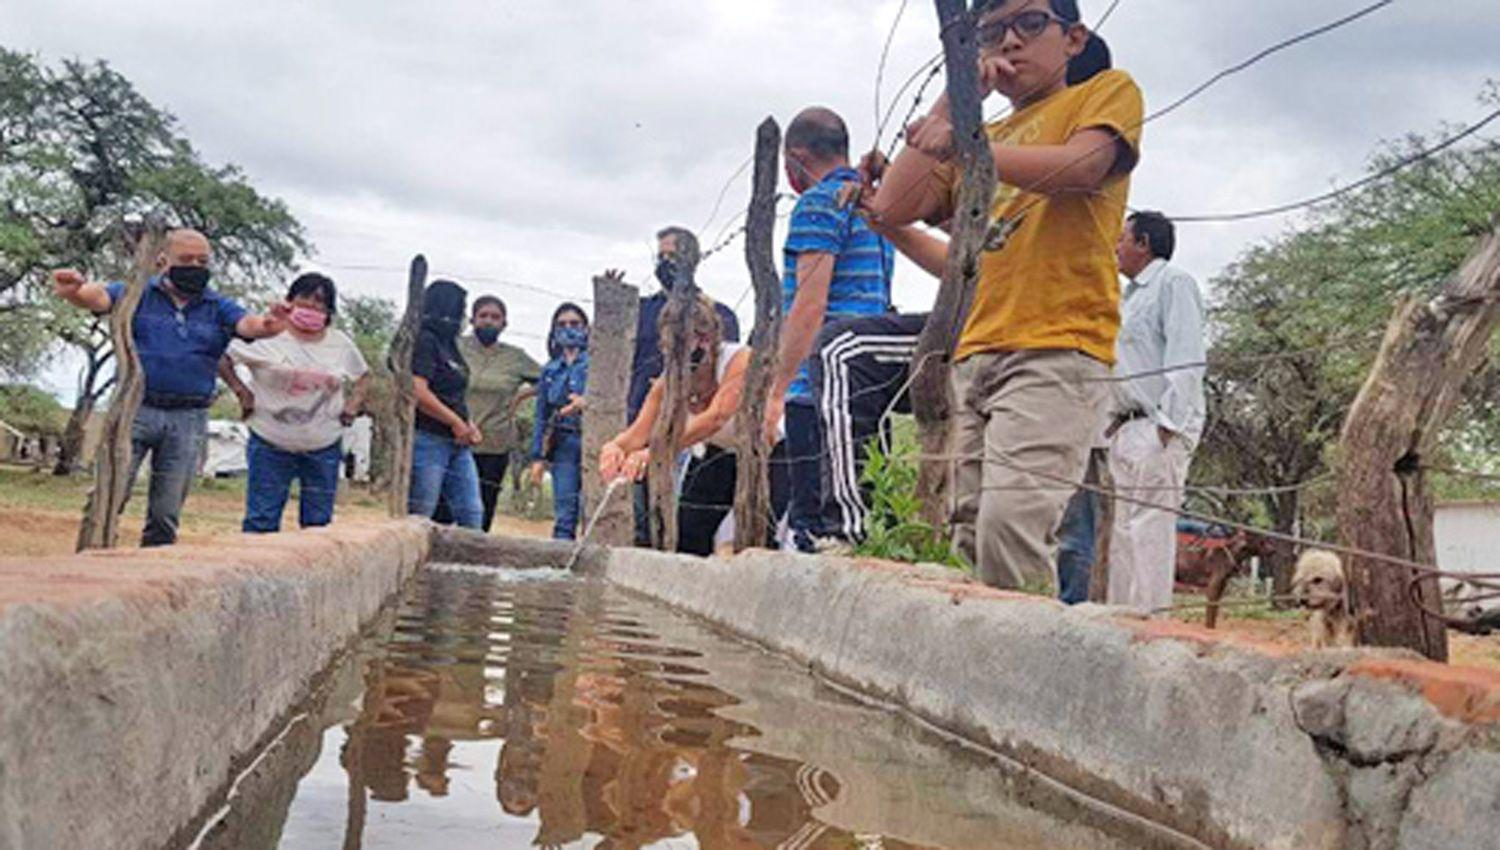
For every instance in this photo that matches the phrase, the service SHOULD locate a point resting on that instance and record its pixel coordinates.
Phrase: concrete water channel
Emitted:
(393, 685)
(503, 709)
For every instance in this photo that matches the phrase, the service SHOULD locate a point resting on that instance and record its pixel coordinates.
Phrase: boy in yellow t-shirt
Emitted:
(1039, 339)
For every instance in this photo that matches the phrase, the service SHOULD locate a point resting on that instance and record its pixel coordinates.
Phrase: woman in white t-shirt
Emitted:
(706, 493)
(297, 407)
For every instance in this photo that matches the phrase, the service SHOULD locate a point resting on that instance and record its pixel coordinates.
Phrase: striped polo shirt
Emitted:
(863, 261)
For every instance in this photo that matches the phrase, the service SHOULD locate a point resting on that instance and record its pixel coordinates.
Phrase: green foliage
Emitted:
(372, 322)
(895, 529)
(31, 410)
(1297, 321)
(84, 158)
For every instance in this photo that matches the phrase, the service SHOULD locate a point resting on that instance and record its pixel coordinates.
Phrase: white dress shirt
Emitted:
(1161, 332)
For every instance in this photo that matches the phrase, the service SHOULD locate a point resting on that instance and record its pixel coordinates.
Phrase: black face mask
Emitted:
(487, 335)
(189, 280)
(697, 357)
(666, 272)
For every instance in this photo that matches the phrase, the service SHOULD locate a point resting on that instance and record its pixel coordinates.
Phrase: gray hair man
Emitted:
(1157, 411)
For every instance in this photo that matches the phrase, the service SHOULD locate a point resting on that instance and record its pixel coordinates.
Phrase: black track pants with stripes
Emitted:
(859, 372)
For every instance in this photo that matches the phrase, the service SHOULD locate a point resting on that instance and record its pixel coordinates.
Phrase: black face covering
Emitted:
(697, 357)
(666, 272)
(189, 280)
(443, 308)
(487, 335)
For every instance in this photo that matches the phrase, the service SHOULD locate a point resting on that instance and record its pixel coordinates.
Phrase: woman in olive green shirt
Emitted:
(501, 377)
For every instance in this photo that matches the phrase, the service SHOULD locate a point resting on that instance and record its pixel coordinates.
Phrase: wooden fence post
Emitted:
(611, 352)
(752, 490)
(666, 438)
(931, 395)
(1430, 348)
(100, 527)
(404, 405)
(1104, 523)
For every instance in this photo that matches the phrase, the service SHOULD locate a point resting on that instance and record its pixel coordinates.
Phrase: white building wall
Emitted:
(1468, 537)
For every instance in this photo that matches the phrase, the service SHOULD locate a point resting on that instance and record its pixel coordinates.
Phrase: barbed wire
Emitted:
(1333, 194)
(724, 241)
(1104, 18)
(1266, 53)
(1487, 477)
(1194, 93)
(916, 103)
(1115, 493)
(461, 278)
(729, 183)
(885, 55)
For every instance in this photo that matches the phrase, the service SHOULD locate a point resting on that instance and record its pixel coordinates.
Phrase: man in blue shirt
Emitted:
(181, 329)
(836, 268)
(676, 248)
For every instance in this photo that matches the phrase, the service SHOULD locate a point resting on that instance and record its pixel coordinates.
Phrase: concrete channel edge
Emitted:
(1235, 744)
(169, 664)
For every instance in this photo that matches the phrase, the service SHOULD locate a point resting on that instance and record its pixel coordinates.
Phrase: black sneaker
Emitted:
(804, 542)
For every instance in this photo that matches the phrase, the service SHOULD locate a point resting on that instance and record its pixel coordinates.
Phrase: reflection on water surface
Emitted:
(503, 711)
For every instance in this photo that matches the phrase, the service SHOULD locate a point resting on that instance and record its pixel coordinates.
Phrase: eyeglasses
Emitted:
(1028, 25)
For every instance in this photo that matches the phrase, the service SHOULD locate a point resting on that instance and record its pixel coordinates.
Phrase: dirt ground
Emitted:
(1291, 628)
(39, 512)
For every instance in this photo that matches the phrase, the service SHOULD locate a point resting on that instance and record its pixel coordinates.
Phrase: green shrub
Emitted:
(895, 529)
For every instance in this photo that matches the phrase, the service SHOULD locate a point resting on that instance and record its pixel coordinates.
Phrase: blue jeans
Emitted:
(174, 438)
(804, 449)
(1075, 551)
(271, 473)
(567, 480)
(441, 466)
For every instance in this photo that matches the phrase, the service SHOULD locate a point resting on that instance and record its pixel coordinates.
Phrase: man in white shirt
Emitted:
(1156, 414)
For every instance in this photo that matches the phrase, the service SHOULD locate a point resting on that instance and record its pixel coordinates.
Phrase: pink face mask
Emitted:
(307, 319)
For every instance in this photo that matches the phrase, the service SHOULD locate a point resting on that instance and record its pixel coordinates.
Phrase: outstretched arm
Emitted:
(71, 286)
(260, 327)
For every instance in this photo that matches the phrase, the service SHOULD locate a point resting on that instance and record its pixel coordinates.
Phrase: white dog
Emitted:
(1320, 586)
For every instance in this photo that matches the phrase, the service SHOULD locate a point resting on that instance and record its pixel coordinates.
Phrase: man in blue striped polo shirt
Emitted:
(836, 268)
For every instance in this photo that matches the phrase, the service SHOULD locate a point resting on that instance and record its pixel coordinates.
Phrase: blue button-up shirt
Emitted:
(863, 261)
(559, 383)
(180, 347)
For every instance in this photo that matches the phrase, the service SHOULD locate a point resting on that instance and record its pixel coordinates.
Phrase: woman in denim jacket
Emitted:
(558, 435)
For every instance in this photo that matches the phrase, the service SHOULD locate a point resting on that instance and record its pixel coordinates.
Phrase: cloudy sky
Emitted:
(535, 142)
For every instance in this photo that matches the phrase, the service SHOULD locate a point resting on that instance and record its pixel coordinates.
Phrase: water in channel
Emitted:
(508, 709)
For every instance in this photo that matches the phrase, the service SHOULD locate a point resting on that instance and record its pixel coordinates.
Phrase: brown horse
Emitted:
(1208, 556)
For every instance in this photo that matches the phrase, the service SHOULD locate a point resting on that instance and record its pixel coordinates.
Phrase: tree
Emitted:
(371, 322)
(1296, 323)
(85, 157)
(31, 410)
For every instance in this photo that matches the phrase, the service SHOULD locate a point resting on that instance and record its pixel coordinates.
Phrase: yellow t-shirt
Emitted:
(1055, 282)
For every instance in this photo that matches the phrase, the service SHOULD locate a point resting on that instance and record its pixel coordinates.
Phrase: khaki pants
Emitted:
(1143, 544)
(1038, 412)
